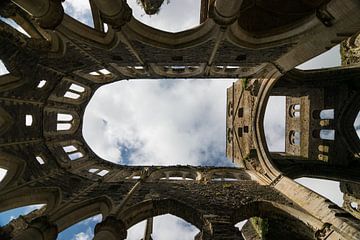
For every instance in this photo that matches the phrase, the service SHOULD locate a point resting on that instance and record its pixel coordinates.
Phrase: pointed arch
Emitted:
(5, 121)
(75, 213)
(30, 196)
(153, 208)
(14, 166)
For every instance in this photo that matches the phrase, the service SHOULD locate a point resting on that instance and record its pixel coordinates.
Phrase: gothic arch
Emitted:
(5, 121)
(66, 217)
(14, 166)
(264, 209)
(29, 196)
(152, 208)
(186, 172)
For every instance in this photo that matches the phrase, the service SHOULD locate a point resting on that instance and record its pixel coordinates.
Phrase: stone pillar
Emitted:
(39, 229)
(225, 12)
(116, 13)
(49, 13)
(110, 229)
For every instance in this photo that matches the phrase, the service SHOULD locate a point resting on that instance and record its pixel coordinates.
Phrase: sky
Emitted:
(169, 122)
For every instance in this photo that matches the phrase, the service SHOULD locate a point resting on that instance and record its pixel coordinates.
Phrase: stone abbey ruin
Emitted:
(54, 73)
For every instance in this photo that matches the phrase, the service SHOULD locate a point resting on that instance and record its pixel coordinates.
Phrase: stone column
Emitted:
(114, 12)
(110, 229)
(39, 229)
(225, 12)
(49, 13)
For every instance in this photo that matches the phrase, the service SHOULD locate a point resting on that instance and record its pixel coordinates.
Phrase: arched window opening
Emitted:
(100, 72)
(327, 134)
(294, 137)
(176, 178)
(79, 10)
(64, 117)
(63, 126)
(163, 18)
(294, 110)
(83, 230)
(75, 91)
(224, 179)
(3, 172)
(7, 216)
(327, 114)
(99, 172)
(14, 25)
(64, 122)
(41, 84)
(71, 95)
(3, 69)
(76, 88)
(103, 173)
(72, 152)
(28, 120)
(40, 160)
(164, 227)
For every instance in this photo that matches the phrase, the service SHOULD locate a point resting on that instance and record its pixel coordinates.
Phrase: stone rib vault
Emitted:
(55, 72)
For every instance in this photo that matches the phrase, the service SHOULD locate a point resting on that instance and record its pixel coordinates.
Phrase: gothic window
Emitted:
(41, 84)
(28, 120)
(294, 137)
(327, 114)
(64, 122)
(327, 134)
(75, 91)
(73, 152)
(295, 110)
(40, 160)
(98, 171)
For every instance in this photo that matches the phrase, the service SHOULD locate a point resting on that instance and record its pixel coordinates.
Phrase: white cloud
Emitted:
(165, 227)
(94, 219)
(158, 122)
(88, 235)
(176, 16)
(79, 10)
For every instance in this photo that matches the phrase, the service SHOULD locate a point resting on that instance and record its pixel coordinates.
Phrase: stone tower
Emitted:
(55, 72)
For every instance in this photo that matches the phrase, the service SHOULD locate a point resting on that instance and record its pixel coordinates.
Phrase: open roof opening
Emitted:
(159, 122)
(172, 16)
